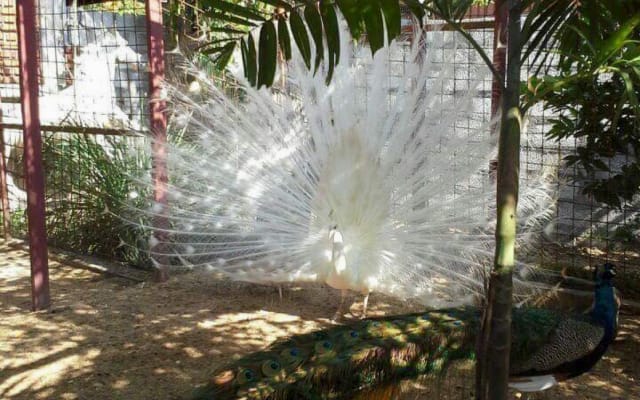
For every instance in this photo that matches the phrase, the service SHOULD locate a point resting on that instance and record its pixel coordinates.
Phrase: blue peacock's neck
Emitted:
(605, 310)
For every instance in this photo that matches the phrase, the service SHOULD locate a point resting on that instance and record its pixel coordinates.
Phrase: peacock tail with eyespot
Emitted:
(264, 179)
(338, 363)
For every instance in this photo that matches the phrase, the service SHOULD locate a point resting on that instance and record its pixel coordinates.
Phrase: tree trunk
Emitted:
(495, 342)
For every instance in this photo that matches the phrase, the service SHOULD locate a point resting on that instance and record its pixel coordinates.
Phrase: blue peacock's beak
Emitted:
(609, 271)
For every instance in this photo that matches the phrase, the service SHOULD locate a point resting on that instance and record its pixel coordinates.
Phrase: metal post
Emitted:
(158, 128)
(28, 50)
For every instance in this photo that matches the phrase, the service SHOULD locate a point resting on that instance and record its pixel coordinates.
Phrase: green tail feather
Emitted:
(337, 362)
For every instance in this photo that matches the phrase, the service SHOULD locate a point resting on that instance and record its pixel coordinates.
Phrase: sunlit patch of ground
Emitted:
(111, 338)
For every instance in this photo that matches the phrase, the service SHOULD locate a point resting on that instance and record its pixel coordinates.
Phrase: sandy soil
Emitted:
(112, 338)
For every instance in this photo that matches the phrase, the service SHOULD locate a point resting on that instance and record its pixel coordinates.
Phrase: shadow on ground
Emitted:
(111, 338)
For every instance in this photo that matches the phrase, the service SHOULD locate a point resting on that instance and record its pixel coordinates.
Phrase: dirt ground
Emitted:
(112, 338)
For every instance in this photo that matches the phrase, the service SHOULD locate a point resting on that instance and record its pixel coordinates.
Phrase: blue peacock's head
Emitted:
(605, 302)
(603, 276)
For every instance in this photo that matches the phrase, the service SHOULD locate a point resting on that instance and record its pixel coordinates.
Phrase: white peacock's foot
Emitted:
(337, 316)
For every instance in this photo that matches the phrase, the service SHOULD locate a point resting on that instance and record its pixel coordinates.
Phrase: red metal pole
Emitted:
(158, 128)
(28, 50)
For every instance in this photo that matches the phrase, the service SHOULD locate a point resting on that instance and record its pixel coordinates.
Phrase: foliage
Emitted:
(18, 222)
(265, 29)
(85, 211)
(595, 94)
(135, 7)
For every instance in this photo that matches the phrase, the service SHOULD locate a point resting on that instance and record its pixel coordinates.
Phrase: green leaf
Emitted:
(248, 49)
(230, 31)
(284, 38)
(231, 19)
(599, 164)
(278, 3)
(268, 51)
(632, 53)
(252, 61)
(616, 41)
(630, 89)
(452, 10)
(225, 56)
(392, 18)
(314, 22)
(373, 22)
(244, 51)
(300, 36)
(211, 50)
(416, 8)
(214, 46)
(235, 9)
(332, 32)
(351, 10)
(541, 29)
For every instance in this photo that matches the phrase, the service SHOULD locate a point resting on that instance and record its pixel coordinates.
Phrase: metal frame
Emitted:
(28, 49)
(489, 21)
(158, 127)
(28, 41)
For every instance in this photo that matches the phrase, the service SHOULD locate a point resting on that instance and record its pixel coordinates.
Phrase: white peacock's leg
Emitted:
(338, 314)
(364, 306)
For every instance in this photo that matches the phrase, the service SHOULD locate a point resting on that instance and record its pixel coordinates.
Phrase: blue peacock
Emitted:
(373, 356)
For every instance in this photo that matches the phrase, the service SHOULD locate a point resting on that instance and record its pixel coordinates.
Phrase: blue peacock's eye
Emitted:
(426, 317)
(271, 368)
(319, 335)
(245, 376)
(457, 323)
(291, 357)
(324, 347)
(354, 334)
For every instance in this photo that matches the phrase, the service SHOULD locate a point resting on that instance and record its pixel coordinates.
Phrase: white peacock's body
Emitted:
(376, 193)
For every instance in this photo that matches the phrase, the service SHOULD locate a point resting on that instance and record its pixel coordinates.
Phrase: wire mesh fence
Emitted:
(582, 232)
(93, 103)
(94, 94)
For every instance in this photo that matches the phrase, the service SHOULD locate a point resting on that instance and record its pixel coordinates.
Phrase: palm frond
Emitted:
(271, 24)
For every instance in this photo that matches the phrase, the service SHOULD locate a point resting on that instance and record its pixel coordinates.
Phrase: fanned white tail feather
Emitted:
(369, 194)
